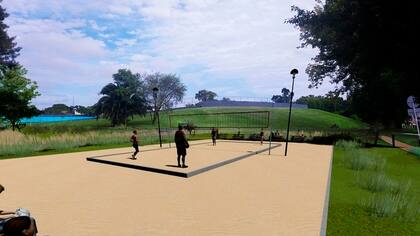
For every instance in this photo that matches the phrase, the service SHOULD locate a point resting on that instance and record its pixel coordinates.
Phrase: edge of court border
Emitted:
(324, 221)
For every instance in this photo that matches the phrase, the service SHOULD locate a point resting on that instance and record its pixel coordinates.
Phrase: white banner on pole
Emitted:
(412, 103)
(411, 112)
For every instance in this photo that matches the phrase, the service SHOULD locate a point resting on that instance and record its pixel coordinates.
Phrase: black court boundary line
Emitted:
(176, 173)
(205, 169)
(148, 150)
(246, 141)
(145, 168)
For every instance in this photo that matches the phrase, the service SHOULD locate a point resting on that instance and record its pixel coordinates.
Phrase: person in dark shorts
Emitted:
(135, 142)
(181, 146)
(214, 135)
(262, 136)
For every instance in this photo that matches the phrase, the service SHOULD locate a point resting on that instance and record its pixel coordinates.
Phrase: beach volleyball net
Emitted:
(249, 119)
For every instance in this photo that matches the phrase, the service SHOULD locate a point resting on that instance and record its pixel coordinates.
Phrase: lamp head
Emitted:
(294, 72)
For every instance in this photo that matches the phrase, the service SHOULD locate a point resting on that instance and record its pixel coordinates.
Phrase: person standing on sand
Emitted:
(135, 143)
(262, 136)
(214, 135)
(181, 146)
(6, 214)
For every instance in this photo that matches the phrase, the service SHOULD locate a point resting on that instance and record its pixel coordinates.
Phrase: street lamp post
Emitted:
(293, 73)
(155, 91)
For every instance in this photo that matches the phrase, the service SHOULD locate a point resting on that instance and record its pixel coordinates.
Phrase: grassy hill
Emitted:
(302, 119)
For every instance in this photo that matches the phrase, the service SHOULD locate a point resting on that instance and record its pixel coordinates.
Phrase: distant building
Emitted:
(75, 112)
(217, 103)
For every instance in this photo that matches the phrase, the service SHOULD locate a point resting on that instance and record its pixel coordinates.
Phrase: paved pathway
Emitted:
(398, 144)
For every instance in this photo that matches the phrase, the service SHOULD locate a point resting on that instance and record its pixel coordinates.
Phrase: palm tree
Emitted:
(121, 99)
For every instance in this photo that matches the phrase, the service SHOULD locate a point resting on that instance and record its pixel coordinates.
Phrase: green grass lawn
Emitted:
(346, 215)
(48, 138)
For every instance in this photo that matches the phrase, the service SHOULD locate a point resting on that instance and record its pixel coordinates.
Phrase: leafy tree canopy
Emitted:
(171, 90)
(123, 98)
(204, 95)
(8, 49)
(16, 93)
(368, 48)
(283, 98)
(330, 102)
(57, 109)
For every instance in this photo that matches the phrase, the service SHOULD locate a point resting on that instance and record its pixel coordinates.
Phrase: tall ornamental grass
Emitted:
(357, 159)
(17, 144)
(389, 198)
(375, 182)
(400, 205)
(347, 145)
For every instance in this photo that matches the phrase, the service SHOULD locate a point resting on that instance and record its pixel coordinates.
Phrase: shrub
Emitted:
(328, 138)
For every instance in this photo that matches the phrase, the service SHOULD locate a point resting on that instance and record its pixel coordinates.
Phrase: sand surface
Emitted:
(259, 195)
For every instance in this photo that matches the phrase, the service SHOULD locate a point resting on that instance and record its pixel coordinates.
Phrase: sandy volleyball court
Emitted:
(205, 157)
(259, 195)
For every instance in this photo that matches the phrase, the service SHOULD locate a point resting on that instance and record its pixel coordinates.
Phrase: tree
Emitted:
(330, 102)
(171, 91)
(367, 47)
(123, 98)
(16, 93)
(277, 98)
(204, 95)
(226, 99)
(8, 49)
(284, 98)
(57, 109)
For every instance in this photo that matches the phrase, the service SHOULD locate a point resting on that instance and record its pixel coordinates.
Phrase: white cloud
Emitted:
(240, 42)
(120, 10)
(126, 42)
(96, 27)
(242, 39)
(61, 59)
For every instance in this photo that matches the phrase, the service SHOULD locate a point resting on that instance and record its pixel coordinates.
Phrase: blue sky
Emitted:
(236, 48)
